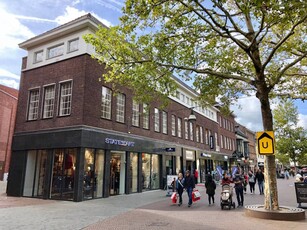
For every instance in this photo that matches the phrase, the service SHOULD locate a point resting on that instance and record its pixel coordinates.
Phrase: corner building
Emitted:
(76, 140)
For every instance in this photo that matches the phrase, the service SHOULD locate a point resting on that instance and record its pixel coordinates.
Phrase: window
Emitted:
(191, 131)
(207, 137)
(173, 125)
(164, 122)
(186, 130)
(73, 45)
(55, 51)
(49, 94)
(38, 56)
(120, 107)
(179, 125)
(157, 120)
(222, 141)
(201, 134)
(197, 134)
(135, 113)
(106, 102)
(145, 116)
(65, 98)
(33, 105)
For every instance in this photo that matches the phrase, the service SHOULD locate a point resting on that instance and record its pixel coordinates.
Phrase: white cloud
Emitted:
(10, 83)
(302, 120)
(12, 30)
(72, 13)
(111, 4)
(5, 73)
(248, 113)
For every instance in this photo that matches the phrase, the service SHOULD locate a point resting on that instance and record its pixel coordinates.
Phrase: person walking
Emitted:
(189, 185)
(238, 181)
(260, 180)
(210, 189)
(180, 187)
(251, 182)
(196, 175)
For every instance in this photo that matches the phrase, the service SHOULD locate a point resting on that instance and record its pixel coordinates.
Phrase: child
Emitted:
(210, 189)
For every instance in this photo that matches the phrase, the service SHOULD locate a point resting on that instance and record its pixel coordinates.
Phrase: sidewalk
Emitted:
(148, 210)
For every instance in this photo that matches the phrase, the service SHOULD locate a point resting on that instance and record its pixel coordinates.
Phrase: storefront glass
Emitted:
(89, 177)
(133, 172)
(99, 169)
(117, 173)
(62, 183)
(35, 173)
(150, 171)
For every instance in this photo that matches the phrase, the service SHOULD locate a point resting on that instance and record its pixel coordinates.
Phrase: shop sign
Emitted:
(170, 149)
(205, 154)
(119, 142)
(189, 155)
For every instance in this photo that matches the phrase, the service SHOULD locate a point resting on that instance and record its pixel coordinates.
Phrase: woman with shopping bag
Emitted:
(180, 187)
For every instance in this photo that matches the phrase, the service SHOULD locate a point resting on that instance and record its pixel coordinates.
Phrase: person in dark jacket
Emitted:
(189, 185)
(260, 180)
(180, 187)
(210, 189)
(238, 181)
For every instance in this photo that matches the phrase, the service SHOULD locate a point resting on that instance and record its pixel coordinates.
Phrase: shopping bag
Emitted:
(174, 197)
(196, 195)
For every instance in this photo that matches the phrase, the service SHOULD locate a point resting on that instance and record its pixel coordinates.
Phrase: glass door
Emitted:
(117, 173)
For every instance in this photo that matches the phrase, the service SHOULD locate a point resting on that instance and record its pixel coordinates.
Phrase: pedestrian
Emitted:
(173, 184)
(287, 174)
(251, 181)
(189, 185)
(238, 181)
(210, 189)
(180, 187)
(245, 179)
(196, 175)
(260, 180)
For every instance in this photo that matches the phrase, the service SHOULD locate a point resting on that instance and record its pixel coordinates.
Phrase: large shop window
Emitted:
(63, 174)
(150, 171)
(133, 172)
(93, 173)
(35, 178)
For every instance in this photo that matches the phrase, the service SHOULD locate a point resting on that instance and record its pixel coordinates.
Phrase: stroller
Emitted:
(226, 197)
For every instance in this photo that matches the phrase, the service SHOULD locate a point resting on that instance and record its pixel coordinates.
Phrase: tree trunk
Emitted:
(270, 181)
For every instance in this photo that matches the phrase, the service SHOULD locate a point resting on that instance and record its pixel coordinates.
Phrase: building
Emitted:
(8, 106)
(75, 139)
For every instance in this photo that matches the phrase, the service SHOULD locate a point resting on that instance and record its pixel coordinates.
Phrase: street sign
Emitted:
(265, 142)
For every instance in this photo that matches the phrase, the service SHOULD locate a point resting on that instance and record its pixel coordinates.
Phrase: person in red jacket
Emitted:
(195, 175)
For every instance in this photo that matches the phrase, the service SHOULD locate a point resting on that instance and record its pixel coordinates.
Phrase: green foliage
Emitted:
(291, 140)
(227, 48)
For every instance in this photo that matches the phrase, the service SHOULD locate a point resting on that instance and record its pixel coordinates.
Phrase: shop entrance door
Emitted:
(117, 173)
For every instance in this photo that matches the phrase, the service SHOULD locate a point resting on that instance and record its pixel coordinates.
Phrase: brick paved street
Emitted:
(149, 210)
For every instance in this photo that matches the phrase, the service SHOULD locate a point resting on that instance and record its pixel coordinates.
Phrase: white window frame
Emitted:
(34, 95)
(191, 131)
(55, 51)
(186, 130)
(38, 56)
(197, 133)
(73, 45)
(179, 127)
(106, 102)
(49, 100)
(145, 116)
(173, 125)
(157, 120)
(135, 113)
(201, 134)
(164, 122)
(120, 107)
(65, 96)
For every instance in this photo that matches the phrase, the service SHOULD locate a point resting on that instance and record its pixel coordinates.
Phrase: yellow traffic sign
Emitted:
(265, 142)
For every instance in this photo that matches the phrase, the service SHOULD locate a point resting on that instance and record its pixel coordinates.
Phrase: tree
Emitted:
(291, 138)
(228, 48)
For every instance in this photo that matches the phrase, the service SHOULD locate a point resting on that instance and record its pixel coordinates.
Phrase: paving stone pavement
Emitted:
(151, 210)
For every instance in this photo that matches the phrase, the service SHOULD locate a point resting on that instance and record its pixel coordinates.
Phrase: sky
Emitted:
(24, 19)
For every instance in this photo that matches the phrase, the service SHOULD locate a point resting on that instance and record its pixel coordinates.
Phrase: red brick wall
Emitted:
(86, 102)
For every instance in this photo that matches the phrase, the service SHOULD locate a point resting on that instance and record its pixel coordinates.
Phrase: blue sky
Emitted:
(24, 19)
